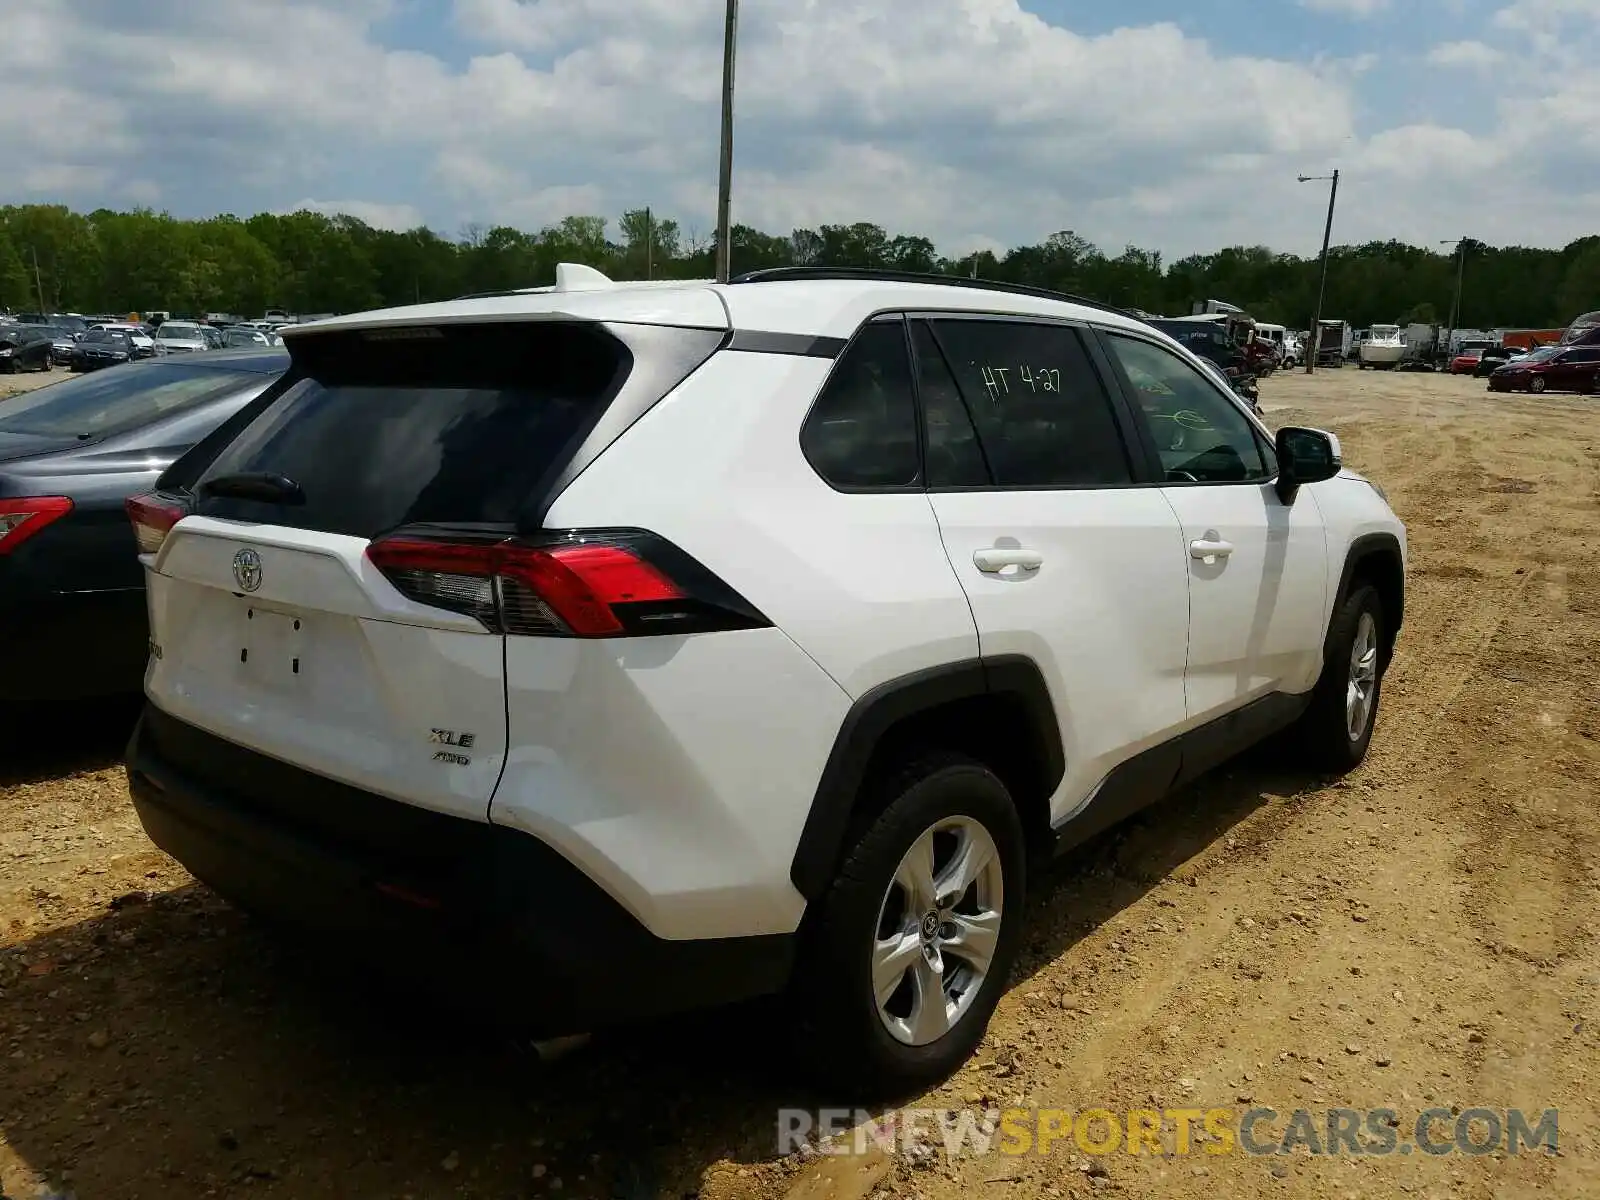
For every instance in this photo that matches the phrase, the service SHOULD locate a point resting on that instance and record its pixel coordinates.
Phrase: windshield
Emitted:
(175, 332)
(109, 402)
(1543, 354)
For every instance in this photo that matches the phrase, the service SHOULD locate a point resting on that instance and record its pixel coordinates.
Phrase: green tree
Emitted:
(16, 285)
(310, 262)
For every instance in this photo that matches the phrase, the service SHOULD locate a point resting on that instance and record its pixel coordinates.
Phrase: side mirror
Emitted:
(1305, 456)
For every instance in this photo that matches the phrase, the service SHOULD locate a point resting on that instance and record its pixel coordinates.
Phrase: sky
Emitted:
(1174, 125)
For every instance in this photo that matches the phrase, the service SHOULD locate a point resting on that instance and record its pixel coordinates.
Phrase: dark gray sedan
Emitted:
(71, 453)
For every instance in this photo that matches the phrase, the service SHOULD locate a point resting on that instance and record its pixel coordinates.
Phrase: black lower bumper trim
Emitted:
(497, 915)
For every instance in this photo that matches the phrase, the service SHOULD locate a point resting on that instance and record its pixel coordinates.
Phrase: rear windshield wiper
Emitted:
(255, 485)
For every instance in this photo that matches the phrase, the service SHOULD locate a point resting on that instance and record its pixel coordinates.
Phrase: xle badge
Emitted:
(449, 737)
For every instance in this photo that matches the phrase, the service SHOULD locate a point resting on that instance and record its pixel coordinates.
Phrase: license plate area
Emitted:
(274, 647)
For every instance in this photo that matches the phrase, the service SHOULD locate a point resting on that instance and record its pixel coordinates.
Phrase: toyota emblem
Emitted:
(247, 569)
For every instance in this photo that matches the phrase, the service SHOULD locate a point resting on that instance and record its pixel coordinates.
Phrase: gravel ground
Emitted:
(1419, 934)
(26, 381)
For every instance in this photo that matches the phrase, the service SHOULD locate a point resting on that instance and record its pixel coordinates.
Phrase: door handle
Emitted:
(1209, 550)
(997, 558)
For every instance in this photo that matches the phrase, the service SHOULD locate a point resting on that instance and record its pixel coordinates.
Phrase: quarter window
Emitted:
(1043, 417)
(1201, 435)
(862, 431)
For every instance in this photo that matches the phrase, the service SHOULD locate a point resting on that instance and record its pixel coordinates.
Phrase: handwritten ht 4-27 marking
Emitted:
(1038, 379)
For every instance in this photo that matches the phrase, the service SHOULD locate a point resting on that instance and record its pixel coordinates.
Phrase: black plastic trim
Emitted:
(876, 712)
(1154, 773)
(801, 345)
(401, 886)
(1370, 545)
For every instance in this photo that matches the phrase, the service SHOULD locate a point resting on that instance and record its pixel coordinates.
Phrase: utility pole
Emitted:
(730, 40)
(649, 245)
(1455, 304)
(1322, 287)
(44, 309)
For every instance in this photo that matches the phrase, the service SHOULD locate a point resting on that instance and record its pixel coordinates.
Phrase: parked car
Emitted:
(104, 347)
(1466, 362)
(179, 337)
(1496, 357)
(450, 655)
(213, 337)
(24, 348)
(71, 453)
(142, 343)
(1569, 368)
(63, 345)
(244, 335)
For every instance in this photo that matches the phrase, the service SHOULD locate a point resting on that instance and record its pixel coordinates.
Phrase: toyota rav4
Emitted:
(640, 647)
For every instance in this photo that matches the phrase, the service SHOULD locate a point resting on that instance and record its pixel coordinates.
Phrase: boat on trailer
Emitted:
(1384, 349)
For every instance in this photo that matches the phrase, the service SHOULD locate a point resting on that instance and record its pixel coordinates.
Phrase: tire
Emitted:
(845, 1038)
(1324, 733)
(1537, 384)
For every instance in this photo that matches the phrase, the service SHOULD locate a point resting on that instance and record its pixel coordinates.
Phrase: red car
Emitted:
(1551, 368)
(1466, 362)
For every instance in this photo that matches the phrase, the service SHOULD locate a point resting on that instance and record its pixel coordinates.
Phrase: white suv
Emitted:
(639, 647)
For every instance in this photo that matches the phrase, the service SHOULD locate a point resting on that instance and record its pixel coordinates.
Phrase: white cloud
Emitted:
(1347, 8)
(971, 121)
(1464, 54)
(369, 212)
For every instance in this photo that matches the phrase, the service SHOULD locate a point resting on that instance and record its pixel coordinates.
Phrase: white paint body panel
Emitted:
(1257, 616)
(376, 672)
(1105, 615)
(676, 772)
(859, 582)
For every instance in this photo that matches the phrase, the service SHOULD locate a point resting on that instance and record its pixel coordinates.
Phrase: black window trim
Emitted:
(1146, 436)
(1139, 467)
(916, 485)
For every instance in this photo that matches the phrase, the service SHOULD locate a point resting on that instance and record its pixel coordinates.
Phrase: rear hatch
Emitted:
(275, 621)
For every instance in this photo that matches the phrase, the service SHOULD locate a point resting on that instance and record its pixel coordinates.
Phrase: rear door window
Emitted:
(448, 425)
(1043, 417)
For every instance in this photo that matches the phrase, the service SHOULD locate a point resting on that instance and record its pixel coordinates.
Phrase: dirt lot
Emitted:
(26, 381)
(1421, 934)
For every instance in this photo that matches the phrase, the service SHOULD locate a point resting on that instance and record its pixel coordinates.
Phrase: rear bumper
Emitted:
(495, 915)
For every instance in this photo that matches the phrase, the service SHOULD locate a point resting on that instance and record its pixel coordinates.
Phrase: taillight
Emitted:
(21, 519)
(153, 517)
(604, 583)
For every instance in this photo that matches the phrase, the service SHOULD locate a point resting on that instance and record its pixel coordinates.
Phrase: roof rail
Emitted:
(885, 275)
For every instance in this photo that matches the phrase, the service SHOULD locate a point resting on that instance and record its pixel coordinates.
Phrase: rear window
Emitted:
(449, 425)
(111, 402)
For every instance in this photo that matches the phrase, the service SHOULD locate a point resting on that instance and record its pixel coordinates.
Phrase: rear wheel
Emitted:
(906, 956)
(1337, 728)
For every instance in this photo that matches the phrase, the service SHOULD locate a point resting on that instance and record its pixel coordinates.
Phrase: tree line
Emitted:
(308, 262)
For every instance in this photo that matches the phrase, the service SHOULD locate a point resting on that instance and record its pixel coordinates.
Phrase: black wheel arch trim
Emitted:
(876, 712)
(1369, 546)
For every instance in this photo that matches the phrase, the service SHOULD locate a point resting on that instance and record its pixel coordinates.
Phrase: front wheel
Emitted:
(1537, 384)
(1337, 727)
(908, 953)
